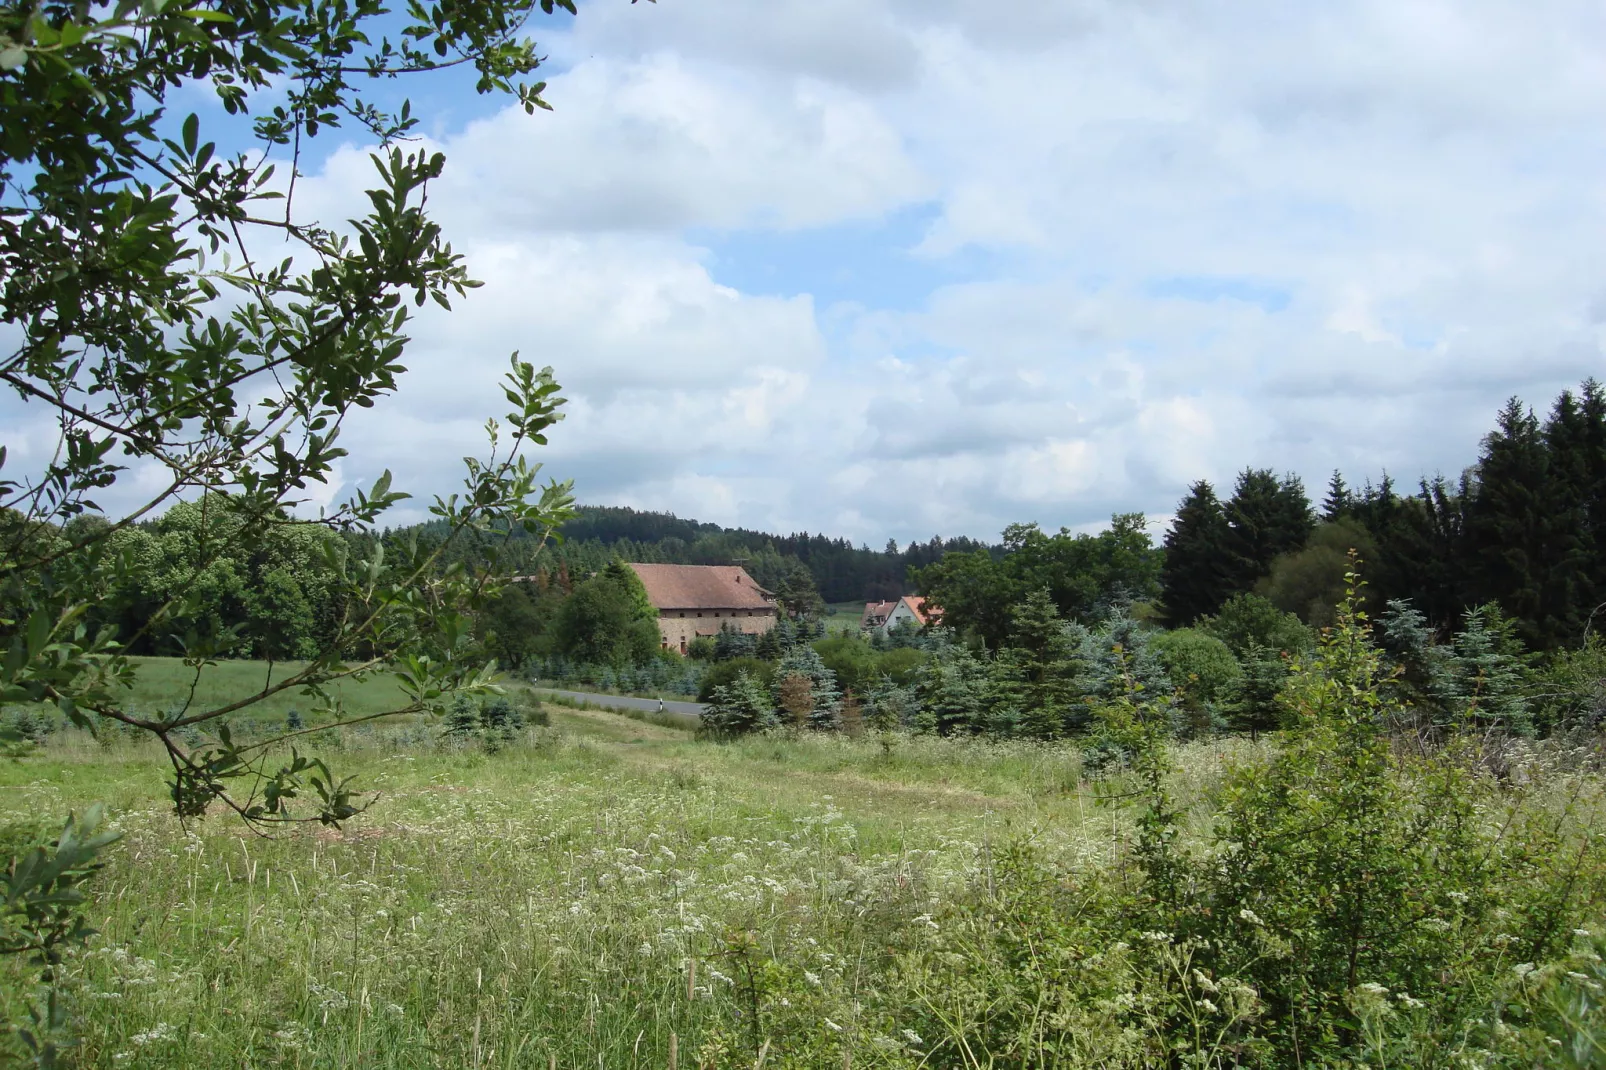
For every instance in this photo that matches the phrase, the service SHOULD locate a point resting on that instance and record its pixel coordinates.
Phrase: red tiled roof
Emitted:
(917, 606)
(875, 613)
(701, 587)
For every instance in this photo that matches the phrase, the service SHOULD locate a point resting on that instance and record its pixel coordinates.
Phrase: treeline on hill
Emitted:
(834, 567)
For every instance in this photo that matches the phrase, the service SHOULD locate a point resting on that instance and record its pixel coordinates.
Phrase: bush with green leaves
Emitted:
(738, 708)
(1247, 620)
(1353, 903)
(725, 672)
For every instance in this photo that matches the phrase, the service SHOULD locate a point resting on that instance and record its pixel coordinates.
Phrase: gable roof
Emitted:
(917, 606)
(875, 613)
(701, 587)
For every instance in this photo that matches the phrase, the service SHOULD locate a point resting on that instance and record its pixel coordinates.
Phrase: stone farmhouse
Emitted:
(694, 600)
(879, 616)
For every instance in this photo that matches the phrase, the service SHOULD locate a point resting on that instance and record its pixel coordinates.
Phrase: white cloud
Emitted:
(1164, 240)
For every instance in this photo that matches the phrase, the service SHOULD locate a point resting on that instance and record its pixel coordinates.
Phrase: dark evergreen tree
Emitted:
(1573, 437)
(1340, 502)
(1266, 517)
(1195, 578)
(1592, 406)
(1519, 530)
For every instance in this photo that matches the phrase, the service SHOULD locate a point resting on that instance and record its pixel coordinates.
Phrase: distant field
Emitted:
(843, 617)
(166, 684)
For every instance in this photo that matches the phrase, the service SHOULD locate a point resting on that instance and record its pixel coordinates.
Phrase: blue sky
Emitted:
(898, 267)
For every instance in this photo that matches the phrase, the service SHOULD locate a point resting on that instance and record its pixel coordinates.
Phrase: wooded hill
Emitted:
(840, 571)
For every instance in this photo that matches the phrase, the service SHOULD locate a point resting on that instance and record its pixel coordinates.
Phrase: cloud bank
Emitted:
(896, 267)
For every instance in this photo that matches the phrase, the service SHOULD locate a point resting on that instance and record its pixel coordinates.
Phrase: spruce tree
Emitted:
(1195, 578)
(1340, 501)
(1592, 406)
(951, 689)
(1266, 517)
(1518, 530)
(805, 662)
(1571, 589)
(1037, 671)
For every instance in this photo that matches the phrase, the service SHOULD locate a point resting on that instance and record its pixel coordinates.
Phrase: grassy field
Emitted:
(610, 892)
(574, 900)
(164, 684)
(844, 619)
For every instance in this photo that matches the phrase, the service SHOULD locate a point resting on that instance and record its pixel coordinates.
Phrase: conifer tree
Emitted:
(1573, 439)
(951, 688)
(805, 662)
(1036, 673)
(1194, 580)
(1518, 529)
(1266, 517)
(739, 707)
(1340, 502)
(1592, 406)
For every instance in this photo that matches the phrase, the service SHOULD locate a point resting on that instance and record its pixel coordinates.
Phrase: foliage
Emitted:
(951, 688)
(1034, 678)
(1248, 620)
(1196, 576)
(1569, 693)
(1351, 872)
(725, 672)
(1208, 679)
(41, 918)
(1085, 576)
(858, 663)
(1266, 518)
(1309, 582)
(739, 707)
(802, 664)
(150, 329)
(602, 622)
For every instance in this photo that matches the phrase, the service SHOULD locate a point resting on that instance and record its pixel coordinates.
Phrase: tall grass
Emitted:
(595, 894)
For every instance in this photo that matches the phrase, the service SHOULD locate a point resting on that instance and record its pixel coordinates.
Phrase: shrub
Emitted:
(737, 708)
(726, 672)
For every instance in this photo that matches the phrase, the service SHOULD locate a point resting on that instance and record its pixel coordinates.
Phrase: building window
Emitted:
(683, 644)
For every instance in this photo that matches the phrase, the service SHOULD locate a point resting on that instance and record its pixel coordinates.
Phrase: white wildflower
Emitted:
(912, 1037)
(1523, 969)
(832, 1026)
(1250, 916)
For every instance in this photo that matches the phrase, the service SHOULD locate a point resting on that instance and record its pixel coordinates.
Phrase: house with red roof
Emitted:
(694, 600)
(879, 616)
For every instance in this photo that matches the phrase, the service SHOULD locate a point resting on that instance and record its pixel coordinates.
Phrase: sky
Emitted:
(893, 268)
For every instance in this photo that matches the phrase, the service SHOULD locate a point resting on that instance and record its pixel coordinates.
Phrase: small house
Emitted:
(880, 616)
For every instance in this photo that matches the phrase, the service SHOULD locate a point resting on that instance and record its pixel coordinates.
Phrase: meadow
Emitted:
(578, 897)
(166, 684)
(606, 892)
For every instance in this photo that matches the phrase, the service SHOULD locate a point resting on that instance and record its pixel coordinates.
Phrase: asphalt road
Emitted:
(628, 702)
